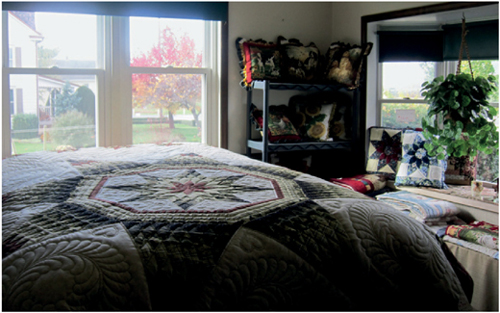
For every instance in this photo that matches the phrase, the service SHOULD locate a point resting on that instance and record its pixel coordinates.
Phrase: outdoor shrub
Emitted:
(24, 126)
(73, 128)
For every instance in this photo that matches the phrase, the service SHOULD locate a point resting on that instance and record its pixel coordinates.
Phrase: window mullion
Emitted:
(6, 144)
(168, 70)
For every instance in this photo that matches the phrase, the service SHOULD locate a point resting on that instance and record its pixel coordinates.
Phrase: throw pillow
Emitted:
(341, 124)
(259, 60)
(417, 167)
(317, 120)
(300, 63)
(280, 128)
(384, 151)
(361, 183)
(344, 63)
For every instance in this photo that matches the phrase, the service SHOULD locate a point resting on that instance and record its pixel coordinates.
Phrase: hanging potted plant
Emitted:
(460, 120)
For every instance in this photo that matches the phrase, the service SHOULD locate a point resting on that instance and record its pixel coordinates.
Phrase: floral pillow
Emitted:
(259, 60)
(280, 128)
(312, 116)
(317, 121)
(300, 63)
(417, 167)
(384, 151)
(344, 62)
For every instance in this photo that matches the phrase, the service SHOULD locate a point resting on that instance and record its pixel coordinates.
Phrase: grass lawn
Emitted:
(142, 133)
(157, 133)
(31, 145)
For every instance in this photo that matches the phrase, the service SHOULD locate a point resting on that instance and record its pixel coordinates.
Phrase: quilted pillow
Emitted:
(384, 151)
(417, 168)
(300, 63)
(344, 62)
(361, 183)
(259, 60)
(280, 128)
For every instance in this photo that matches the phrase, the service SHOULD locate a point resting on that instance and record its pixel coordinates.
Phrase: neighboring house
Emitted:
(31, 93)
(23, 53)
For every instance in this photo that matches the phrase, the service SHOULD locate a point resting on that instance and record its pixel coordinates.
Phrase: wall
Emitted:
(346, 16)
(306, 21)
(319, 22)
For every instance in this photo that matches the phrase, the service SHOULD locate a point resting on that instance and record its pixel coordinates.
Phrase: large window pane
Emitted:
(167, 108)
(162, 42)
(404, 79)
(52, 112)
(48, 40)
(403, 114)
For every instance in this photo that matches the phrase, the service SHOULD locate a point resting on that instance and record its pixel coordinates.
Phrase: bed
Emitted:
(188, 227)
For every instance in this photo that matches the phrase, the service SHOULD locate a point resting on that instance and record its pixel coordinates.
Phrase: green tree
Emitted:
(169, 92)
(46, 56)
(482, 68)
(63, 101)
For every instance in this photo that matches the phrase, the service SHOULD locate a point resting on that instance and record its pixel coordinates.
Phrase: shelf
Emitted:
(267, 147)
(259, 84)
(299, 146)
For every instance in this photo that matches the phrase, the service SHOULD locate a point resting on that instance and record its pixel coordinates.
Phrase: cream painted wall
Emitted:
(346, 16)
(306, 21)
(319, 22)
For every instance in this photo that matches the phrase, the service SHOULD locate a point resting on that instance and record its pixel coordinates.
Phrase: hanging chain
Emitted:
(463, 44)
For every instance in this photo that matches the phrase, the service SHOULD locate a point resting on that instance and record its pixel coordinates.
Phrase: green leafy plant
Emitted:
(460, 120)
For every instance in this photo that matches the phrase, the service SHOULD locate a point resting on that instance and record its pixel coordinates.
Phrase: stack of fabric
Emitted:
(479, 236)
(427, 210)
(441, 217)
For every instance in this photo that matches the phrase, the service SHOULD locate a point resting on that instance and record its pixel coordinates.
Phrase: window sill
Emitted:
(460, 195)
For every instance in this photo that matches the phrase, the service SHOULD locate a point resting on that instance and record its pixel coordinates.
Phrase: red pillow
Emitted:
(259, 60)
(280, 128)
(361, 183)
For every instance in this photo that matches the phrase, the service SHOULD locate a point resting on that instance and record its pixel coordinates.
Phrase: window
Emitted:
(168, 106)
(83, 80)
(401, 104)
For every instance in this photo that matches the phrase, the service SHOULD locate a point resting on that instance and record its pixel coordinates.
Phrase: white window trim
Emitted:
(114, 76)
(442, 69)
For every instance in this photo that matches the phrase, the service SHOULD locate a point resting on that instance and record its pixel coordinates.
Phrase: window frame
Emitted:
(442, 69)
(114, 102)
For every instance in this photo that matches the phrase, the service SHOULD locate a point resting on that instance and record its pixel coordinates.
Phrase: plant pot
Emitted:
(460, 170)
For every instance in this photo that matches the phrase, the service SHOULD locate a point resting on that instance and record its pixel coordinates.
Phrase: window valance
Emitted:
(440, 45)
(212, 11)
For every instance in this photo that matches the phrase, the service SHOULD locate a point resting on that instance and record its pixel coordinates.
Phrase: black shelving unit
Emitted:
(267, 147)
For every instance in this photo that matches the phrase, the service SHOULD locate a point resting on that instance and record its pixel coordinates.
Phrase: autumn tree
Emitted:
(168, 91)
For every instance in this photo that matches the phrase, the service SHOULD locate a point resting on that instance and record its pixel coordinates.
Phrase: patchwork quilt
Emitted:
(190, 227)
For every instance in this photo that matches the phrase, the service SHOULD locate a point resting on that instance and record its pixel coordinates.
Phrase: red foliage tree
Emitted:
(168, 91)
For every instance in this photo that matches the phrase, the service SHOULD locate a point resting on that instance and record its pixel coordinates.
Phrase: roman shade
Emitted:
(407, 46)
(482, 40)
(211, 11)
(440, 45)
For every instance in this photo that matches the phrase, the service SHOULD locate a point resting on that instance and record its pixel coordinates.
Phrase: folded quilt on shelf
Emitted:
(427, 210)
(478, 232)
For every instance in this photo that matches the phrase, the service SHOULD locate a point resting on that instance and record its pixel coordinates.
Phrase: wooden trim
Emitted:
(462, 201)
(224, 86)
(436, 8)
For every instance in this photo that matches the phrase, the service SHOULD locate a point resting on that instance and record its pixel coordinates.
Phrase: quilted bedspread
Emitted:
(192, 227)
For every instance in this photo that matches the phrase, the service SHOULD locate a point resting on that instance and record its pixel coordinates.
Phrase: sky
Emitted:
(75, 34)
